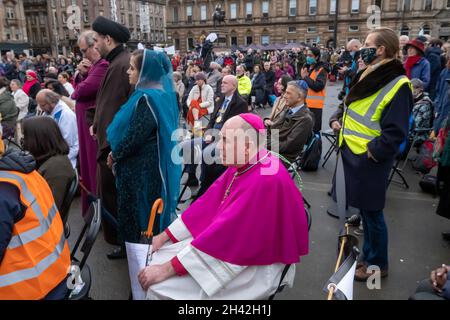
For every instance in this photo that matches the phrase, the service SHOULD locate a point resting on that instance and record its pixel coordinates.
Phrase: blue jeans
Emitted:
(375, 248)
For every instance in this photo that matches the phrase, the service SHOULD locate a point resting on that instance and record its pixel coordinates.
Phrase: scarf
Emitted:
(29, 84)
(409, 64)
(373, 78)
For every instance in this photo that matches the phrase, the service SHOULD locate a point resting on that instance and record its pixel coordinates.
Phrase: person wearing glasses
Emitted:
(87, 80)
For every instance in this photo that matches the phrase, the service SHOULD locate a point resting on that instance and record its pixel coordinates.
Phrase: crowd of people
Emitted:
(110, 116)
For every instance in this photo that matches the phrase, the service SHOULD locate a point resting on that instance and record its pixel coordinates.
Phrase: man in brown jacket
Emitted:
(294, 125)
(114, 92)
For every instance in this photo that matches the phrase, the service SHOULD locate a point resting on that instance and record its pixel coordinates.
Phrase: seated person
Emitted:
(435, 288)
(422, 111)
(280, 103)
(51, 103)
(29, 219)
(200, 102)
(229, 244)
(227, 107)
(294, 125)
(43, 139)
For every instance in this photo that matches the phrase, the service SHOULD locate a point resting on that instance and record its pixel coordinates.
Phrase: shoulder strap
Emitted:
(283, 275)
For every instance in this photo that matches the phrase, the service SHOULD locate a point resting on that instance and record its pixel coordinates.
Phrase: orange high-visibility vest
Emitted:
(315, 100)
(37, 258)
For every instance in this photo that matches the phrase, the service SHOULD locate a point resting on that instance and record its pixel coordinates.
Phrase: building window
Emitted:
(428, 5)
(233, 41)
(379, 3)
(312, 7)
(189, 14)
(248, 40)
(233, 11)
(292, 30)
(404, 31)
(406, 5)
(130, 20)
(311, 29)
(448, 4)
(175, 14)
(355, 6)
(353, 28)
(203, 12)
(63, 3)
(265, 40)
(331, 28)
(190, 43)
(426, 29)
(10, 13)
(249, 9)
(332, 6)
(177, 43)
(292, 8)
(64, 17)
(265, 8)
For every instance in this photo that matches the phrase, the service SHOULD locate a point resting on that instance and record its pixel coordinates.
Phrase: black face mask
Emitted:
(368, 55)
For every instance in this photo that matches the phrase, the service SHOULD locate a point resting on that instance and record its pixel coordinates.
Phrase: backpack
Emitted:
(429, 184)
(424, 161)
(312, 154)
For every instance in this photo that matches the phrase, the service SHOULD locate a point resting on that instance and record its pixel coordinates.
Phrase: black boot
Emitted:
(446, 236)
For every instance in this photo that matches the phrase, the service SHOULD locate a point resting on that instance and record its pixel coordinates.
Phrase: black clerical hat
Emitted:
(110, 28)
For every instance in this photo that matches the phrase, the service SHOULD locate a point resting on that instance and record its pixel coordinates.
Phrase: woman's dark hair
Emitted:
(284, 81)
(3, 82)
(43, 139)
(138, 56)
(57, 87)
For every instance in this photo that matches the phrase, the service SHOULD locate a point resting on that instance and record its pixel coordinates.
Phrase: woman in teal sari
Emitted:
(141, 141)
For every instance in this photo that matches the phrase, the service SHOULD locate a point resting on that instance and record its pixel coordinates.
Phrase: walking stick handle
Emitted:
(158, 207)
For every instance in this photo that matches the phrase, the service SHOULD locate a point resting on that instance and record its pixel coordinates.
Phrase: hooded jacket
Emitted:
(11, 208)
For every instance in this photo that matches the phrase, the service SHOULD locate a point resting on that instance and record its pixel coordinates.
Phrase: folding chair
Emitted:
(67, 202)
(396, 170)
(332, 138)
(93, 219)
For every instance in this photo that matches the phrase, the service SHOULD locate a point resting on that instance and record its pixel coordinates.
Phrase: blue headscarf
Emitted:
(156, 84)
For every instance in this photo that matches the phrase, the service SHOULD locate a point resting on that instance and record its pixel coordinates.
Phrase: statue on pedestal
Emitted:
(219, 15)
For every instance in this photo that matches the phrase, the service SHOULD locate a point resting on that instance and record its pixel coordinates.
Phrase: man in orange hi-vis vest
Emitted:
(315, 75)
(34, 254)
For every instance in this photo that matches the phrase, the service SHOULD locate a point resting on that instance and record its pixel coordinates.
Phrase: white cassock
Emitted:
(209, 278)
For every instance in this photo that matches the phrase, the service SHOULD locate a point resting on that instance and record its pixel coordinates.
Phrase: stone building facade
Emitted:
(13, 33)
(56, 24)
(309, 21)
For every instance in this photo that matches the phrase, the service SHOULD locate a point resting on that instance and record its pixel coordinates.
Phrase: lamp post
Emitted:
(336, 25)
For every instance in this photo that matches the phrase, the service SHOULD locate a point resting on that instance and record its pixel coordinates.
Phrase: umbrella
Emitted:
(291, 46)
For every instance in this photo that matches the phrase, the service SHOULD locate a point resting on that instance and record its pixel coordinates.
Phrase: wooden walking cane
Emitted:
(338, 263)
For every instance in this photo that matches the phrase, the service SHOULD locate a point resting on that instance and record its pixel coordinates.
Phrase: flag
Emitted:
(343, 279)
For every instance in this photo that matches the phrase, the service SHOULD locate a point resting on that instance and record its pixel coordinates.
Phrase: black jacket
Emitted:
(270, 80)
(11, 208)
(321, 79)
(236, 106)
